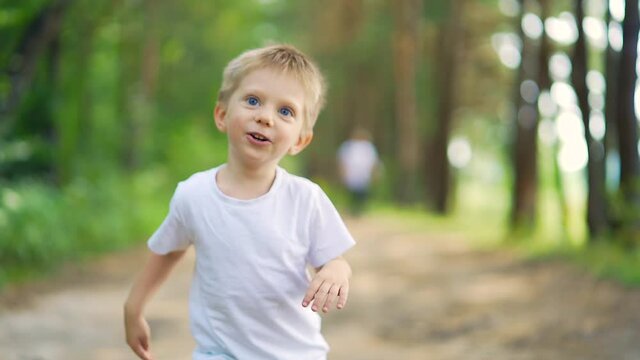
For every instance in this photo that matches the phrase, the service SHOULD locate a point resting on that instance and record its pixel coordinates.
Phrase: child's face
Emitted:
(263, 118)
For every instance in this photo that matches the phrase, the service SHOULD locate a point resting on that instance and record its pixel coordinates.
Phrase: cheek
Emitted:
(294, 133)
(234, 125)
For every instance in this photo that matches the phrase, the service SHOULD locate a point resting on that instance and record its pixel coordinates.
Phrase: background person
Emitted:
(358, 161)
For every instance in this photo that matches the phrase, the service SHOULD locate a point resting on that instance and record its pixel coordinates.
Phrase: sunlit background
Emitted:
(475, 108)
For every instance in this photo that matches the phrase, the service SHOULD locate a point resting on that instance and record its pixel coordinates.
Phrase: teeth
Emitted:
(259, 137)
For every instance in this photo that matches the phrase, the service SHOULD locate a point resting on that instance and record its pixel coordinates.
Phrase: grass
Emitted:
(480, 216)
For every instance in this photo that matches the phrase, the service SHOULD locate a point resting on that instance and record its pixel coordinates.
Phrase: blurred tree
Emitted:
(336, 42)
(139, 59)
(627, 123)
(75, 113)
(30, 68)
(438, 174)
(544, 53)
(545, 81)
(596, 216)
(525, 152)
(37, 38)
(406, 39)
(612, 62)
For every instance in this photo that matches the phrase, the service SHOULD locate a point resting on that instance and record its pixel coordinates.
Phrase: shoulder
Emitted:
(298, 186)
(195, 185)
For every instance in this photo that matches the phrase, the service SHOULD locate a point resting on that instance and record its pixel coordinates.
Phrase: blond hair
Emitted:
(287, 59)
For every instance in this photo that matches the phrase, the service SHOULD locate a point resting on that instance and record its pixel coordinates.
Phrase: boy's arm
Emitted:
(154, 273)
(330, 283)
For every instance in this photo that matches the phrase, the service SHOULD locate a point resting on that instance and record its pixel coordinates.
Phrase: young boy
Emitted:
(255, 228)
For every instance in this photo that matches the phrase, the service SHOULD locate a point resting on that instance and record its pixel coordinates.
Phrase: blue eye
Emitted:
(286, 112)
(253, 101)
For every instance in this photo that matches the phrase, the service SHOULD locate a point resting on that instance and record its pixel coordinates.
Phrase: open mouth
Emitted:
(259, 137)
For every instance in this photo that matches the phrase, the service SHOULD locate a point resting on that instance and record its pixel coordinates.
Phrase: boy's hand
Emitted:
(138, 335)
(153, 274)
(330, 283)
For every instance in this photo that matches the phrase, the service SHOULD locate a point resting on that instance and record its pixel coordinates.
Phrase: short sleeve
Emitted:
(329, 236)
(172, 235)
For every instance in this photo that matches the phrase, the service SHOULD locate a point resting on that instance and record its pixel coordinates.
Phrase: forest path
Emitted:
(414, 295)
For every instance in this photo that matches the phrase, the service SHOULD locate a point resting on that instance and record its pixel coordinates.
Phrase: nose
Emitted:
(264, 117)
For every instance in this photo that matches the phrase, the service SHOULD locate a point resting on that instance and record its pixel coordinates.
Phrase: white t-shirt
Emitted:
(250, 274)
(357, 158)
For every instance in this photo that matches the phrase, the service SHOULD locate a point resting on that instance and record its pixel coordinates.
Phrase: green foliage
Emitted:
(14, 15)
(605, 259)
(194, 148)
(41, 226)
(624, 215)
(29, 218)
(609, 260)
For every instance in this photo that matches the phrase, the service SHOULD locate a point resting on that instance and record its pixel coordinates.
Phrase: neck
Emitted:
(245, 183)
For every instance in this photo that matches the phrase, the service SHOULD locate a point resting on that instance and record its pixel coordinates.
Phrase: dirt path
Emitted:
(414, 296)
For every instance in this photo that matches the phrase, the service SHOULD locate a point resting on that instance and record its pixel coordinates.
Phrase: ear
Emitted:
(219, 113)
(303, 141)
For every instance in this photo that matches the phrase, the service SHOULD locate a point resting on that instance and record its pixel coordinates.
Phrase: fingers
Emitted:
(342, 297)
(138, 336)
(321, 297)
(311, 291)
(331, 297)
(142, 349)
(145, 346)
(329, 287)
(325, 295)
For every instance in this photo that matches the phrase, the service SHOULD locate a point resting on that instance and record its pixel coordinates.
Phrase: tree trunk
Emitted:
(336, 24)
(524, 206)
(438, 171)
(136, 96)
(405, 47)
(626, 121)
(85, 49)
(611, 110)
(596, 216)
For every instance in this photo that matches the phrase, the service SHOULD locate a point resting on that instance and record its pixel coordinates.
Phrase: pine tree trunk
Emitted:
(611, 110)
(596, 216)
(405, 47)
(438, 171)
(626, 120)
(524, 200)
